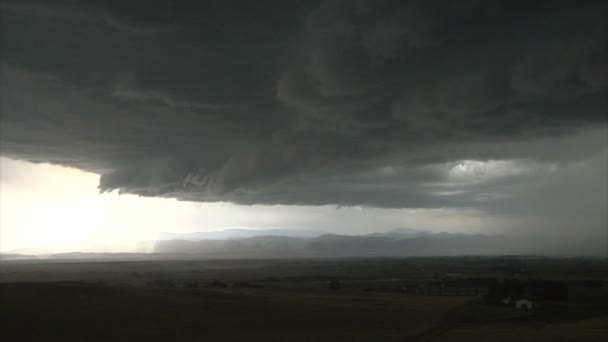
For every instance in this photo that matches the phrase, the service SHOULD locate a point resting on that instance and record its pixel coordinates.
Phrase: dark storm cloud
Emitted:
(333, 102)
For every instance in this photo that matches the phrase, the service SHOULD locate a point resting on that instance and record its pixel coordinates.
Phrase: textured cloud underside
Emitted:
(334, 102)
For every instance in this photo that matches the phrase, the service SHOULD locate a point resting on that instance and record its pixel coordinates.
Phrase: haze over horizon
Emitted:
(121, 121)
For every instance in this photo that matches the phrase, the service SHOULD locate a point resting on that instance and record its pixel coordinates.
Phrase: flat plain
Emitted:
(294, 300)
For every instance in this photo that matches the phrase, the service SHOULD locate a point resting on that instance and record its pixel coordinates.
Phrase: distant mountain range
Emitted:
(402, 233)
(283, 243)
(277, 243)
(15, 256)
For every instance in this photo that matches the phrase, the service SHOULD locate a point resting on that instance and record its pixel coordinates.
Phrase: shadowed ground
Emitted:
(82, 312)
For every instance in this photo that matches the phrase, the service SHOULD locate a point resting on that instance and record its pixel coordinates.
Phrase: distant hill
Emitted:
(13, 256)
(284, 243)
(409, 243)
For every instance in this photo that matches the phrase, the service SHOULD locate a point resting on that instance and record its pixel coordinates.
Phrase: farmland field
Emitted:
(286, 300)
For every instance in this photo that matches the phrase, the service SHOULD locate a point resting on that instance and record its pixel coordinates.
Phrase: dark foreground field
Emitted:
(289, 301)
(97, 313)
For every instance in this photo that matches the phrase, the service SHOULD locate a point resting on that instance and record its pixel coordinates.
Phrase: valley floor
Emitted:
(287, 300)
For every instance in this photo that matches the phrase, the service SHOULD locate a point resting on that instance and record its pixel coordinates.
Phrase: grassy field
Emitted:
(292, 301)
(574, 320)
(591, 330)
(81, 312)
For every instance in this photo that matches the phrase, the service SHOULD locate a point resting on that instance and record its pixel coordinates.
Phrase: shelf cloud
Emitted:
(396, 104)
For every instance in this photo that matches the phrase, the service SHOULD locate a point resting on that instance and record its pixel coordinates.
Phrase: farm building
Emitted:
(524, 304)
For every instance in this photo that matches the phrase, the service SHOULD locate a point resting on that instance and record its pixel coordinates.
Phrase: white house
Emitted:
(524, 304)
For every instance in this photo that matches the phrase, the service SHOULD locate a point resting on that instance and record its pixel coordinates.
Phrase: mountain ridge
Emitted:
(391, 243)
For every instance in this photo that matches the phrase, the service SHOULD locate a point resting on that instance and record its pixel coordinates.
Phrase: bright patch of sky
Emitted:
(58, 209)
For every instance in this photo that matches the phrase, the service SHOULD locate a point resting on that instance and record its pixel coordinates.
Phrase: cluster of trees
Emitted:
(505, 291)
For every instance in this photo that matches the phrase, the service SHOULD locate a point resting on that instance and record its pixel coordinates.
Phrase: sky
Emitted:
(121, 120)
(57, 209)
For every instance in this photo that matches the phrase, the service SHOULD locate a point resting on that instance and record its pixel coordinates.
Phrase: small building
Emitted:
(524, 304)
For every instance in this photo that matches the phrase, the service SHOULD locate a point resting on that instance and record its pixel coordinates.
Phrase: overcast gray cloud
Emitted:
(495, 105)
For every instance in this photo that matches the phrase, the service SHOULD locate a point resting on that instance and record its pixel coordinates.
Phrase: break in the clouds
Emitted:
(398, 104)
